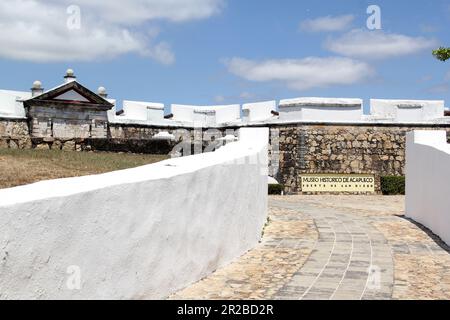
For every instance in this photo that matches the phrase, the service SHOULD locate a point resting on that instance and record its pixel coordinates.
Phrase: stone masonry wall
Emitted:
(295, 149)
(350, 149)
(14, 134)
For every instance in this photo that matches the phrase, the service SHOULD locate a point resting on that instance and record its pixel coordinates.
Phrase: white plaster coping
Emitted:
(272, 105)
(321, 102)
(148, 105)
(275, 121)
(389, 108)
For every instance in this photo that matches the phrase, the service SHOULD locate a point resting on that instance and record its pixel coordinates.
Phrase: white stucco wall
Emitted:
(138, 233)
(321, 109)
(11, 104)
(206, 115)
(259, 111)
(229, 113)
(407, 110)
(182, 113)
(427, 181)
(137, 110)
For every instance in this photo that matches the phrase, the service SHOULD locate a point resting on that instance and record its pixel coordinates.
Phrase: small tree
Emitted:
(442, 53)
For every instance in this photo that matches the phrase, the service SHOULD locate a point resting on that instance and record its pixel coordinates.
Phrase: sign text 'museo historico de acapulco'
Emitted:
(338, 183)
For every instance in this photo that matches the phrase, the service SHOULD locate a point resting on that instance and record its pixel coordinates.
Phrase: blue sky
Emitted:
(228, 51)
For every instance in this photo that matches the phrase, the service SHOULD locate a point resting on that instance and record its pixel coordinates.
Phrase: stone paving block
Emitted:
(302, 281)
(327, 283)
(333, 271)
(330, 256)
(418, 248)
(318, 294)
(359, 263)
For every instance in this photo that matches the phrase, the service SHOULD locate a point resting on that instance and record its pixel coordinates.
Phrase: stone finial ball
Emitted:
(101, 90)
(37, 84)
(69, 73)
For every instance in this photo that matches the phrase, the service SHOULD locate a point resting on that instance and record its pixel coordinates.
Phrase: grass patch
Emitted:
(19, 167)
(393, 185)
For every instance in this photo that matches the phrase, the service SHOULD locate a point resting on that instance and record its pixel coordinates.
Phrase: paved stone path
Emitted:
(335, 247)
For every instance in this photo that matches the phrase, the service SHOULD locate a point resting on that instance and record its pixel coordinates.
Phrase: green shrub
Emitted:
(393, 185)
(275, 188)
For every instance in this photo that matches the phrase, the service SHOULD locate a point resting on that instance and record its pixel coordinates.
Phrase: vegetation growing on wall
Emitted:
(393, 185)
(276, 189)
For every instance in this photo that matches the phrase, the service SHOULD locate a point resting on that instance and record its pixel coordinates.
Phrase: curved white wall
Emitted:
(427, 181)
(139, 233)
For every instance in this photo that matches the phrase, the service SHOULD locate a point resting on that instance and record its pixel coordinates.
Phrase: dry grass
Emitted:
(19, 167)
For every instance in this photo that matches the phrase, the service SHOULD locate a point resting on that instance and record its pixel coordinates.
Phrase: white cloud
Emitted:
(377, 44)
(327, 24)
(137, 11)
(302, 74)
(36, 30)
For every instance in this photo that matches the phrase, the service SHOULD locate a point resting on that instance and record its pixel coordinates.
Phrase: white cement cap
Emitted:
(308, 101)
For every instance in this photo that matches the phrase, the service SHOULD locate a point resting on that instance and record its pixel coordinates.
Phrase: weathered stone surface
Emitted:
(324, 247)
(43, 146)
(68, 146)
(13, 128)
(24, 143)
(57, 145)
(3, 143)
(357, 149)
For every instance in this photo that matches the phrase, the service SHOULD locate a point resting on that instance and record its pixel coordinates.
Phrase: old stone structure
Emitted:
(69, 111)
(341, 148)
(308, 135)
(14, 134)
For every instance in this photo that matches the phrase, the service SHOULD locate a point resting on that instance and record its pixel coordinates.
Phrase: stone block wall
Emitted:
(294, 149)
(14, 134)
(53, 122)
(187, 141)
(349, 149)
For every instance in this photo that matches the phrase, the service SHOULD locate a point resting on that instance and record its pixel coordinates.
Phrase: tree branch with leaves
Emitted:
(442, 53)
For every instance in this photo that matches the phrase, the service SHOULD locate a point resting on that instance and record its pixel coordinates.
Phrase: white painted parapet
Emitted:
(144, 111)
(227, 114)
(140, 113)
(428, 181)
(406, 110)
(11, 103)
(138, 233)
(207, 115)
(321, 109)
(260, 111)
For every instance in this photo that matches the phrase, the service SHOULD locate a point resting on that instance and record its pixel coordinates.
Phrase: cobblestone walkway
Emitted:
(335, 247)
